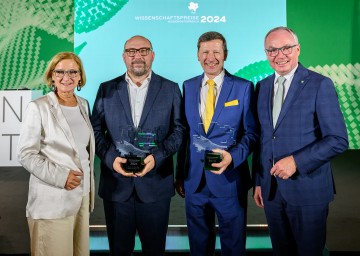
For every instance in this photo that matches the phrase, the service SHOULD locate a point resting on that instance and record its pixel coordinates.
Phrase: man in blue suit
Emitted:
(137, 114)
(301, 130)
(231, 132)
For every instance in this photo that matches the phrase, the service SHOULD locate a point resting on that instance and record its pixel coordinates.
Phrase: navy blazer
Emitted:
(233, 126)
(112, 122)
(310, 127)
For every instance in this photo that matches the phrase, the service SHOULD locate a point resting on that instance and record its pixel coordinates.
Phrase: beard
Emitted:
(139, 70)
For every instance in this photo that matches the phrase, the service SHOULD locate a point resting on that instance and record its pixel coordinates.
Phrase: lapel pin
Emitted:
(302, 81)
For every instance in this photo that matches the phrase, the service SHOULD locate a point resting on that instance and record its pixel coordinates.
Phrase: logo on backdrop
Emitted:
(193, 7)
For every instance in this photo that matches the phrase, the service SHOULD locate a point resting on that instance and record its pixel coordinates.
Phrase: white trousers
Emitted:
(61, 237)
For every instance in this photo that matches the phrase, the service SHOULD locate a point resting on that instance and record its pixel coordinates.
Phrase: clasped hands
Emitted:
(149, 163)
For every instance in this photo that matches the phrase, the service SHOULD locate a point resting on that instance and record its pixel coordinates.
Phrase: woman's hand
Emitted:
(73, 180)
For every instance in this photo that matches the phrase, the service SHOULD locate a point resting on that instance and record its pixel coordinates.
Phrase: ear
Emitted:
(153, 55)
(298, 49)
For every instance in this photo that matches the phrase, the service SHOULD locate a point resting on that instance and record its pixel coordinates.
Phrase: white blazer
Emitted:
(47, 150)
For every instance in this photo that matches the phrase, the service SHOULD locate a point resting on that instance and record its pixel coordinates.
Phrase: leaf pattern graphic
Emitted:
(31, 32)
(91, 14)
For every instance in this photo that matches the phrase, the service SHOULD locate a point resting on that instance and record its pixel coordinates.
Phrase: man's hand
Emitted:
(117, 167)
(149, 162)
(226, 160)
(257, 197)
(284, 168)
(73, 180)
(179, 186)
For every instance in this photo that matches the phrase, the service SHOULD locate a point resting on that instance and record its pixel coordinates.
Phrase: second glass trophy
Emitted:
(210, 158)
(206, 145)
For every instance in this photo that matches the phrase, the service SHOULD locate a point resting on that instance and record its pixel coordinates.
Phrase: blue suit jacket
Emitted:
(232, 126)
(310, 127)
(112, 122)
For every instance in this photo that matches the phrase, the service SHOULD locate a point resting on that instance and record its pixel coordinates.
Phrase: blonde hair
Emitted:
(59, 57)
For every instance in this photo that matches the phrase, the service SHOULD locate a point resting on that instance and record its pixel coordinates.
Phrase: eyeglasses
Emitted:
(132, 51)
(71, 73)
(287, 49)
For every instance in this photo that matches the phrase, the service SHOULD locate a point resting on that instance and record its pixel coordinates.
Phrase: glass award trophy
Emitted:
(210, 158)
(135, 146)
(205, 145)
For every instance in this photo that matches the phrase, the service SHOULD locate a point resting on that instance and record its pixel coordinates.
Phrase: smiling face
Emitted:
(66, 84)
(138, 65)
(212, 57)
(282, 63)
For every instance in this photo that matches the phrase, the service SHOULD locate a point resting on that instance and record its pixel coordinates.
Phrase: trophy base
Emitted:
(210, 158)
(133, 164)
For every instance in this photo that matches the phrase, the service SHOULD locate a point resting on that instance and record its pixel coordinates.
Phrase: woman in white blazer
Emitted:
(56, 145)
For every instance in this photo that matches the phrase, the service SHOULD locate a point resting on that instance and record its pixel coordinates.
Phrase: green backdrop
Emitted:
(32, 31)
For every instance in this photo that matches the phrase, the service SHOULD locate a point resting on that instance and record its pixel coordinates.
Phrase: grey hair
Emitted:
(283, 28)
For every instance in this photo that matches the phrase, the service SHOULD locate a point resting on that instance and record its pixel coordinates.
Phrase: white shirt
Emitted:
(81, 134)
(289, 77)
(137, 97)
(219, 79)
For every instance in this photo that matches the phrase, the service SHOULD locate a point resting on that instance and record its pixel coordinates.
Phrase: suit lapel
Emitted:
(224, 95)
(297, 84)
(269, 87)
(124, 98)
(153, 90)
(84, 109)
(193, 101)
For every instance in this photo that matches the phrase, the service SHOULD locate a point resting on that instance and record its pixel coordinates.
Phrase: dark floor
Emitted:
(343, 236)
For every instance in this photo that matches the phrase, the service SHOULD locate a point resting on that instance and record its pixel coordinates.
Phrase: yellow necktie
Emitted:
(209, 104)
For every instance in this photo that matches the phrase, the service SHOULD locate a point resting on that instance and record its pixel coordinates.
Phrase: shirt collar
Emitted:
(218, 79)
(287, 76)
(144, 84)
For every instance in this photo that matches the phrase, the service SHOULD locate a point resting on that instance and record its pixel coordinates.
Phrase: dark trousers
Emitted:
(150, 220)
(201, 208)
(296, 230)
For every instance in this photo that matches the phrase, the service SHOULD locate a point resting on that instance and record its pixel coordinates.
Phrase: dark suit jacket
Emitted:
(112, 122)
(232, 126)
(310, 127)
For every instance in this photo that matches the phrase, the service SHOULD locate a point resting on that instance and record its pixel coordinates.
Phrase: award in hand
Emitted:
(135, 155)
(205, 145)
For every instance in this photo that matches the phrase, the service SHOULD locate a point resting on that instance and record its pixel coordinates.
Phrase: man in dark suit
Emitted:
(228, 130)
(137, 118)
(301, 130)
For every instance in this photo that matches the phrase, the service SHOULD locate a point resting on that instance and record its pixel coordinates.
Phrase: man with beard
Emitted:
(138, 126)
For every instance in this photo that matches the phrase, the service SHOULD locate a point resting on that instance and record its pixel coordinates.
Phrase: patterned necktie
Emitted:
(278, 100)
(209, 104)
